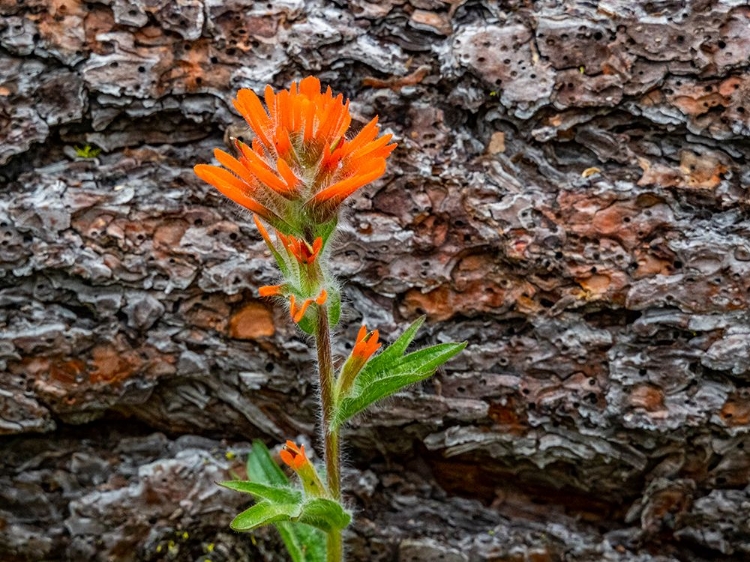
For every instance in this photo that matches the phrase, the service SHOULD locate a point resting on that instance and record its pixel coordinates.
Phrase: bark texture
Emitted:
(570, 195)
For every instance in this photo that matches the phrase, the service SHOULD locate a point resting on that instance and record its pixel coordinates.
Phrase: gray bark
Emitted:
(570, 195)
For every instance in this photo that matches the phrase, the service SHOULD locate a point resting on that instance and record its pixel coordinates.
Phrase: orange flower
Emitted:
(300, 165)
(364, 348)
(298, 312)
(366, 345)
(301, 250)
(294, 456)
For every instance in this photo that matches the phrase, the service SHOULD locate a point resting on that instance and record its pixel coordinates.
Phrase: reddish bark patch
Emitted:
(736, 412)
(253, 321)
(647, 397)
(112, 365)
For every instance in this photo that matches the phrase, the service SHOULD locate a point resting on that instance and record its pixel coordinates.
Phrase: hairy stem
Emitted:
(334, 547)
(332, 454)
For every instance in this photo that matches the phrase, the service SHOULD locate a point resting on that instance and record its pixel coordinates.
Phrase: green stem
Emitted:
(334, 547)
(335, 551)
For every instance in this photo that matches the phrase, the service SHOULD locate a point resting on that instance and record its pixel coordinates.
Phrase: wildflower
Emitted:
(298, 312)
(294, 457)
(366, 345)
(301, 165)
(364, 348)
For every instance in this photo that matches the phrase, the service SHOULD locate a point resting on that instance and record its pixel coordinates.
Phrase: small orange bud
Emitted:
(366, 345)
(293, 456)
(364, 348)
(301, 250)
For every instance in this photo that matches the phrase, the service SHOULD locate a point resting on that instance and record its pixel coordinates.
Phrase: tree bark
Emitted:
(569, 195)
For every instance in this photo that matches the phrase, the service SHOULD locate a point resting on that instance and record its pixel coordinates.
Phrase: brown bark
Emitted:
(570, 195)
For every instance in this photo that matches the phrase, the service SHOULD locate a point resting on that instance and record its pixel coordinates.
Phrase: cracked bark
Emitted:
(570, 195)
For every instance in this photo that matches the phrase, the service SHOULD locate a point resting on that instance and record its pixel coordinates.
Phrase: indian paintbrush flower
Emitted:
(301, 164)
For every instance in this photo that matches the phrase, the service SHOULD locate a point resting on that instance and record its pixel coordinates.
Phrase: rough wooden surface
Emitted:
(570, 195)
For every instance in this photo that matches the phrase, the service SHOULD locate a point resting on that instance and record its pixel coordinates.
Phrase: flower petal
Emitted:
(343, 189)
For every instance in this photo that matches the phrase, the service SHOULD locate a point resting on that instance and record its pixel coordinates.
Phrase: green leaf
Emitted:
(263, 513)
(325, 514)
(393, 352)
(372, 385)
(321, 513)
(262, 468)
(307, 324)
(303, 542)
(274, 494)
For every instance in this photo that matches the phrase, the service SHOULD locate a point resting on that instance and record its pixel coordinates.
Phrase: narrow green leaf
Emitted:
(303, 542)
(393, 352)
(263, 513)
(400, 373)
(274, 494)
(324, 514)
(262, 468)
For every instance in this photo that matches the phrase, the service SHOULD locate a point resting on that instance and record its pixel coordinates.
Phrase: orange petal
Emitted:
(362, 333)
(343, 125)
(287, 457)
(262, 230)
(332, 118)
(369, 149)
(322, 297)
(249, 106)
(308, 110)
(367, 134)
(282, 142)
(231, 163)
(287, 174)
(261, 170)
(343, 189)
(271, 102)
(269, 291)
(372, 343)
(317, 246)
(310, 86)
(232, 187)
(284, 114)
(302, 309)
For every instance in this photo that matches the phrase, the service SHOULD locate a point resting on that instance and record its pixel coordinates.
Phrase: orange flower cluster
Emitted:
(301, 165)
(305, 254)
